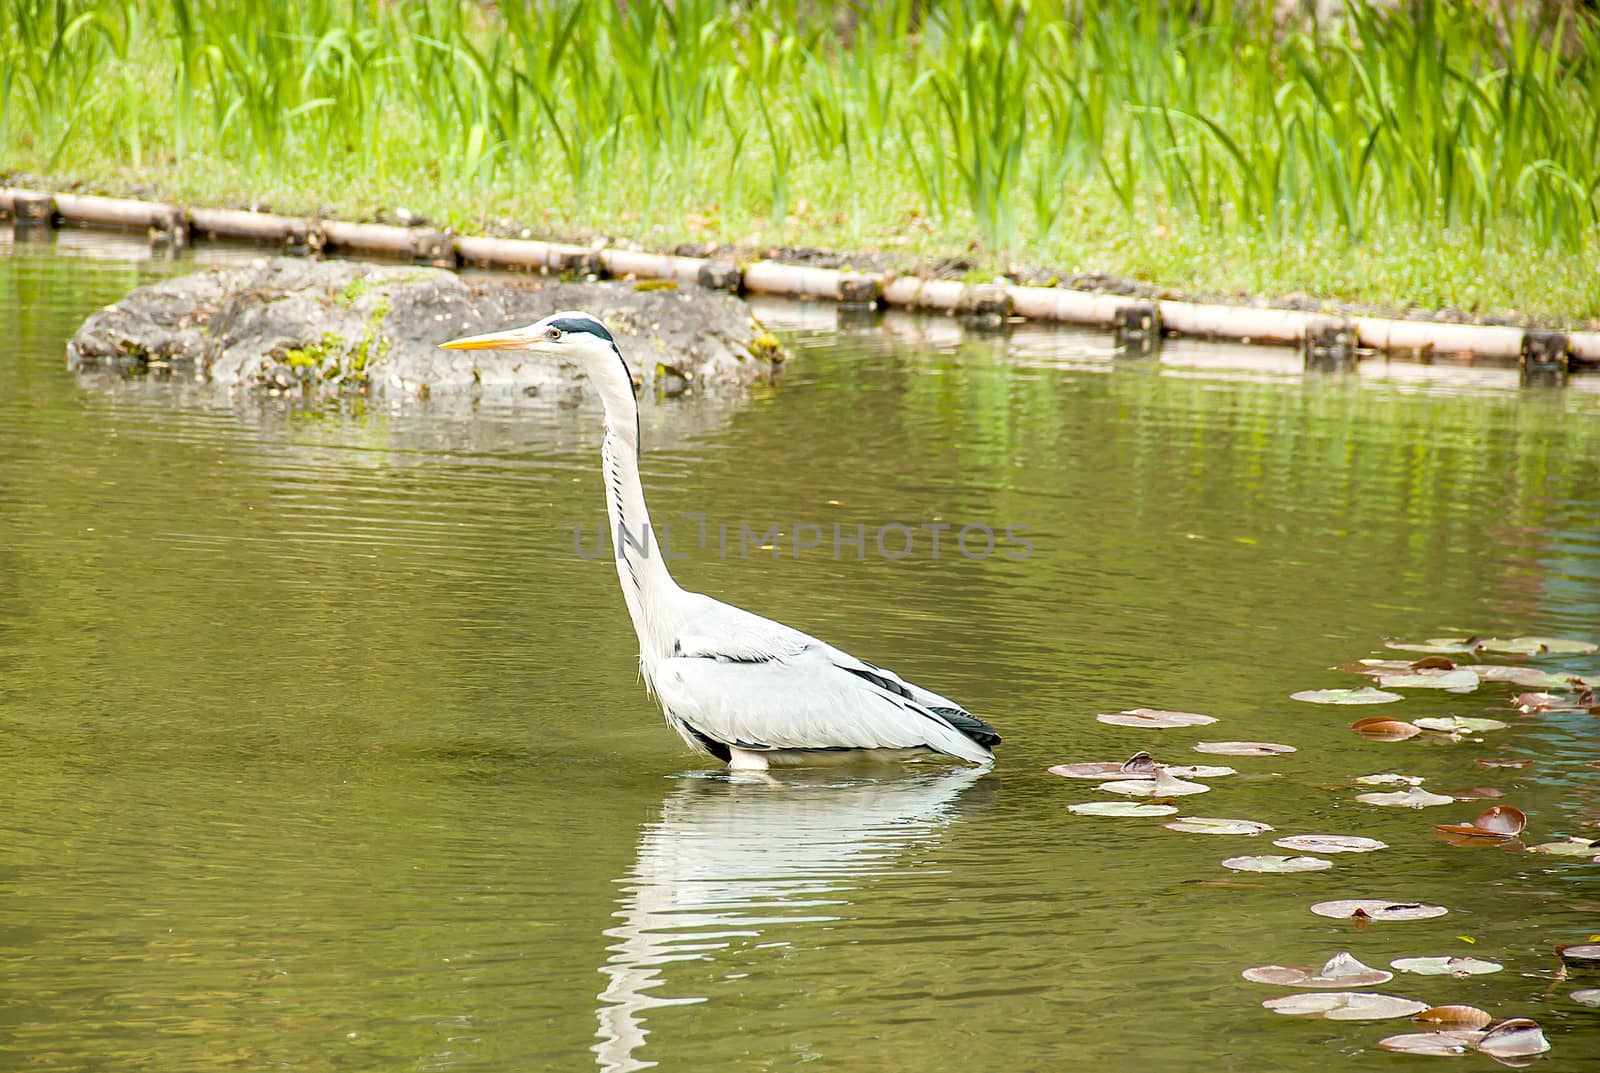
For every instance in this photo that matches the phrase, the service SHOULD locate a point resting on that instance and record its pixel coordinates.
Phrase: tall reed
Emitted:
(996, 115)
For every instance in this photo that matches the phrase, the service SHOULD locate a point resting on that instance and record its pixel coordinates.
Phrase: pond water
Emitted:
(322, 748)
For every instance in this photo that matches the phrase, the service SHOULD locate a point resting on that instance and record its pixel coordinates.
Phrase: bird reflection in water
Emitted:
(733, 857)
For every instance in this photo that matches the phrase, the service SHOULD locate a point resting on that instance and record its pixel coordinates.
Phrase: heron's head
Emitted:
(571, 334)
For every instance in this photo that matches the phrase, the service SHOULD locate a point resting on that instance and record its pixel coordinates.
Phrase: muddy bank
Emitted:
(292, 324)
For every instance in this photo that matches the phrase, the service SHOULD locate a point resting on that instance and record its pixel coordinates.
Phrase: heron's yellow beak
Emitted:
(515, 339)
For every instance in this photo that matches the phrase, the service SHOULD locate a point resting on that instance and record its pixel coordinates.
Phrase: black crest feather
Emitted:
(583, 324)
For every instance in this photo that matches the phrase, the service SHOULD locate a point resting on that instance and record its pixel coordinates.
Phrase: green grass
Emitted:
(1439, 155)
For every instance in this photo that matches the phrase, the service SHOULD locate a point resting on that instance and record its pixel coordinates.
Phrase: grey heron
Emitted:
(749, 691)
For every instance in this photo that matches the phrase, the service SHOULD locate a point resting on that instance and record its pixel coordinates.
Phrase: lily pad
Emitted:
(1460, 968)
(1200, 771)
(1589, 996)
(1377, 728)
(1364, 695)
(1490, 763)
(1438, 646)
(1121, 808)
(1498, 822)
(1377, 909)
(1331, 843)
(1152, 719)
(1345, 1005)
(1584, 956)
(1092, 769)
(1163, 785)
(1416, 797)
(1389, 778)
(1275, 862)
(1342, 970)
(1455, 724)
(1528, 703)
(1572, 847)
(1539, 646)
(1243, 748)
(1456, 1017)
(1456, 681)
(1209, 825)
(1139, 766)
(1376, 667)
(1474, 793)
(1515, 1037)
(1527, 677)
(1447, 1044)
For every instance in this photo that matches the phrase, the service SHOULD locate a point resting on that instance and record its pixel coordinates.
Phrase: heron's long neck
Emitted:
(647, 586)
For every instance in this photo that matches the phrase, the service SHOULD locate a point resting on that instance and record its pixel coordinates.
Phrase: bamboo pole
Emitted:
(1479, 340)
(621, 263)
(917, 293)
(1070, 307)
(116, 211)
(517, 253)
(767, 277)
(236, 223)
(1585, 345)
(1285, 326)
(378, 238)
(798, 281)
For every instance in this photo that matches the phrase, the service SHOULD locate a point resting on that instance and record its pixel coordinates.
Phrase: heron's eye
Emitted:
(552, 334)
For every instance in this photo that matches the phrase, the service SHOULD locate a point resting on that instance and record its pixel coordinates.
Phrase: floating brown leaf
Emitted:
(1377, 728)
(1506, 819)
(1497, 823)
(1468, 1017)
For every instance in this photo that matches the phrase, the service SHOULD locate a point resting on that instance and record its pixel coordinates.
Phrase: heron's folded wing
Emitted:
(733, 635)
(801, 701)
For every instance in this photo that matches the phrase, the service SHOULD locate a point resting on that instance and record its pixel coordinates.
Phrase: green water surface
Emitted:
(321, 748)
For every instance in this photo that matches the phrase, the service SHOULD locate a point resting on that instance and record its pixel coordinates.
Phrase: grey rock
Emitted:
(296, 324)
